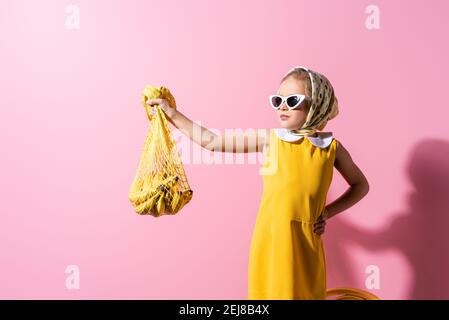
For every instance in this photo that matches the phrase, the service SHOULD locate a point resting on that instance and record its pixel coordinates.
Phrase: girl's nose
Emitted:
(284, 106)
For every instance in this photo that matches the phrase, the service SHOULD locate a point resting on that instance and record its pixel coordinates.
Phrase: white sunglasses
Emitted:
(292, 101)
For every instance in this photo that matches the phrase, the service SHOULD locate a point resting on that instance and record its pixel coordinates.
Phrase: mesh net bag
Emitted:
(160, 186)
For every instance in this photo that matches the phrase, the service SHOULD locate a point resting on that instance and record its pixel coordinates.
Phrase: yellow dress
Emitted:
(287, 259)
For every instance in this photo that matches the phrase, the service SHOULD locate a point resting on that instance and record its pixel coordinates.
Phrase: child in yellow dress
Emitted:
(287, 259)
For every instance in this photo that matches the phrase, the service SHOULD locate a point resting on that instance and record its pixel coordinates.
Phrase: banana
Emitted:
(167, 186)
(140, 208)
(140, 194)
(148, 203)
(187, 196)
(134, 196)
(175, 201)
(141, 197)
(145, 207)
(169, 182)
(172, 182)
(184, 198)
(160, 205)
(153, 200)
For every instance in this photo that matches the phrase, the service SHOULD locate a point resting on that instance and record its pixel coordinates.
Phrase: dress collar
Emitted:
(323, 140)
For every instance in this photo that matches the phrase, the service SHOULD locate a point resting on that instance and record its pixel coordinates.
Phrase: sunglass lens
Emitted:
(276, 101)
(293, 101)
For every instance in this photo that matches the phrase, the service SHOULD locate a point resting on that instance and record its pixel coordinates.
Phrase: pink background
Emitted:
(72, 129)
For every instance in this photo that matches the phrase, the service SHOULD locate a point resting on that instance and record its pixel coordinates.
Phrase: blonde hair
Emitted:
(301, 75)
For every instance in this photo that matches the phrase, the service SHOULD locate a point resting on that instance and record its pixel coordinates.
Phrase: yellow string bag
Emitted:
(160, 186)
(349, 294)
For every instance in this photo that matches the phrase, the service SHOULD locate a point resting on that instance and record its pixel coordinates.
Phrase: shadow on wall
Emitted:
(421, 232)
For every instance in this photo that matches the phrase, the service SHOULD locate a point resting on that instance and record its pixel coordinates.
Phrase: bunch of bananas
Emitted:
(166, 198)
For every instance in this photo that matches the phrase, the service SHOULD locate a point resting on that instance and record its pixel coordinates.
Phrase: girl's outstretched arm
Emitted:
(238, 142)
(358, 184)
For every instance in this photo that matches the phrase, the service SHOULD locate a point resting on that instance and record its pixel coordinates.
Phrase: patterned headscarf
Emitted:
(324, 104)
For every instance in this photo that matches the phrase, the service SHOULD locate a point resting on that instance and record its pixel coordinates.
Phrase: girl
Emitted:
(287, 259)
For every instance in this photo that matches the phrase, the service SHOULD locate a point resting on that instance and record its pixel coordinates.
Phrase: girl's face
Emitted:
(296, 117)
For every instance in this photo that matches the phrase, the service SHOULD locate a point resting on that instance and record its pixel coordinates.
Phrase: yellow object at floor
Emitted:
(160, 185)
(350, 294)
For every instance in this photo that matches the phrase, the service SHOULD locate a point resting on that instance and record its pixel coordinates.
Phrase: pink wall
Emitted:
(72, 129)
